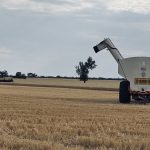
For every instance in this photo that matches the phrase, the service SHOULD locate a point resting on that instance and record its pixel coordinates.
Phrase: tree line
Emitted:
(82, 70)
(4, 73)
(34, 75)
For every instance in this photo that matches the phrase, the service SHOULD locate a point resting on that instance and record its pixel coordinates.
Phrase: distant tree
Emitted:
(3, 73)
(24, 76)
(58, 76)
(83, 68)
(20, 75)
(32, 75)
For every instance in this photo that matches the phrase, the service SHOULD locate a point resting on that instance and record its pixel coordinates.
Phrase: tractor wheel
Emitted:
(124, 94)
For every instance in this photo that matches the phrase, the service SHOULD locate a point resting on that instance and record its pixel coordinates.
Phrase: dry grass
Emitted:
(69, 82)
(33, 118)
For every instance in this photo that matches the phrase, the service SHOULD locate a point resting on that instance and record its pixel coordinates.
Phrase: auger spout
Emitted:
(107, 43)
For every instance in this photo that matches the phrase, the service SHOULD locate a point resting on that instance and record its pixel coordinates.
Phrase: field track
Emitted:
(61, 86)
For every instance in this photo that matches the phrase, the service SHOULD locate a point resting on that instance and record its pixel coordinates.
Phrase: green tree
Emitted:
(32, 75)
(3, 73)
(83, 68)
(20, 75)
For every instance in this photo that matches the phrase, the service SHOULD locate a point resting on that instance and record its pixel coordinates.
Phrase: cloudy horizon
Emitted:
(50, 37)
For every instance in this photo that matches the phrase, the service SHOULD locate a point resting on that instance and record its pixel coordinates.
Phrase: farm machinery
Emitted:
(135, 71)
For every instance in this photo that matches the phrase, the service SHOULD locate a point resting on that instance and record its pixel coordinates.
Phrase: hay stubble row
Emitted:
(60, 118)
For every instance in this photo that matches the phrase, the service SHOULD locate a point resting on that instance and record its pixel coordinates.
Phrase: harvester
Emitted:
(134, 70)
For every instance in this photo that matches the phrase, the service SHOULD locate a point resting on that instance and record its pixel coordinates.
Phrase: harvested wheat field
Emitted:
(66, 83)
(47, 118)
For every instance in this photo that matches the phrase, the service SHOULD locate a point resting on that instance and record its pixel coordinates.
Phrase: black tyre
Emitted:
(124, 94)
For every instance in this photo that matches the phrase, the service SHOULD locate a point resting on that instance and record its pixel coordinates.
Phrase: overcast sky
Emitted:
(50, 37)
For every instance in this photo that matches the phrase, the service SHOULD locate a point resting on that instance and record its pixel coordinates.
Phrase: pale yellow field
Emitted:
(36, 118)
(70, 82)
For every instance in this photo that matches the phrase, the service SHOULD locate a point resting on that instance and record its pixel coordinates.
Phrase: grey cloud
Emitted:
(135, 6)
(62, 6)
(58, 2)
(46, 7)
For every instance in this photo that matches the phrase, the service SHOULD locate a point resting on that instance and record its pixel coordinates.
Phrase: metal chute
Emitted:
(107, 43)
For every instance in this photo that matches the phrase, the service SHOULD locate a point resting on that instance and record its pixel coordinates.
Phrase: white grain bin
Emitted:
(135, 70)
